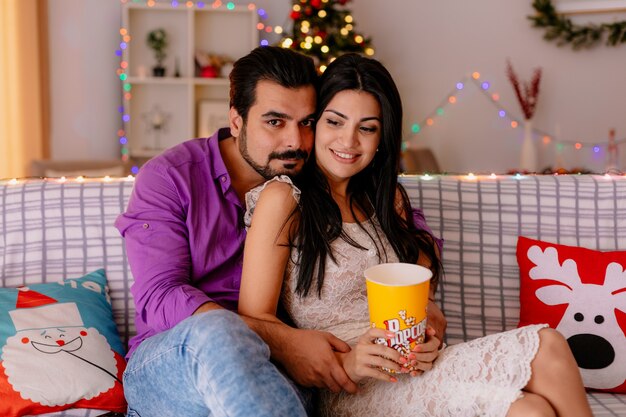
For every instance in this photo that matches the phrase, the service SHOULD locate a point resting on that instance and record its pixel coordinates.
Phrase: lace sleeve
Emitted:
(253, 195)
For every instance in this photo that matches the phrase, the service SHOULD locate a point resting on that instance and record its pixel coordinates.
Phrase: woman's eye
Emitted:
(332, 122)
(369, 129)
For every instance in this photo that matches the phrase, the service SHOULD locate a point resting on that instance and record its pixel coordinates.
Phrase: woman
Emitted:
(348, 213)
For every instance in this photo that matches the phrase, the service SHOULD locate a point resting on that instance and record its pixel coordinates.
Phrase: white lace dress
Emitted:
(478, 378)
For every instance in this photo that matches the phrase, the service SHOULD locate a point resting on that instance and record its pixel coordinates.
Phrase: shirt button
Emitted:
(146, 225)
(223, 179)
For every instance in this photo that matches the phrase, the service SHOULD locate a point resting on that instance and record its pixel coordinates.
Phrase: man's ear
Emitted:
(235, 121)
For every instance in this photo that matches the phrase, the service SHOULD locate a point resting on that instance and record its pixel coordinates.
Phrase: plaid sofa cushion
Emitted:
(51, 230)
(480, 220)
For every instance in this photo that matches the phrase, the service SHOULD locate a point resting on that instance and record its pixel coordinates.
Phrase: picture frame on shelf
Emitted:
(590, 6)
(212, 115)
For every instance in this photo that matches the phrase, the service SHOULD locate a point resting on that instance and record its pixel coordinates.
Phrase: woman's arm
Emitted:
(309, 356)
(266, 252)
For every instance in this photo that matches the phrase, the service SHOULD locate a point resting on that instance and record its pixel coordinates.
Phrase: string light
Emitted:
(63, 180)
(122, 71)
(483, 87)
(609, 176)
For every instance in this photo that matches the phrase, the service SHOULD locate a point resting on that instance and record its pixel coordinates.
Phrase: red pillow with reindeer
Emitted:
(581, 293)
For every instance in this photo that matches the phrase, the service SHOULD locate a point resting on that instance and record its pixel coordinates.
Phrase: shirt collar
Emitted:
(217, 162)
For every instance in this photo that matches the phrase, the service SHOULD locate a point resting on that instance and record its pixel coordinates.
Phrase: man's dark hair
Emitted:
(285, 67)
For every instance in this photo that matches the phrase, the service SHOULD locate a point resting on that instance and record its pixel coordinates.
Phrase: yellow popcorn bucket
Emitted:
(397, 296)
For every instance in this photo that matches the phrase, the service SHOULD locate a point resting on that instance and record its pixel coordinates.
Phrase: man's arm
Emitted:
(157, 247)
(307, 355)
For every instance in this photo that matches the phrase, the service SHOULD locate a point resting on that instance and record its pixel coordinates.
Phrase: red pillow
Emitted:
(581, 293)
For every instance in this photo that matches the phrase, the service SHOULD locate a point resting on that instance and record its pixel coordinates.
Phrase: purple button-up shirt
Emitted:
(184, 236)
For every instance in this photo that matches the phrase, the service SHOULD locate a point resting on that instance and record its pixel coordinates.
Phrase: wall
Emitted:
(85, 91)
(427, 45)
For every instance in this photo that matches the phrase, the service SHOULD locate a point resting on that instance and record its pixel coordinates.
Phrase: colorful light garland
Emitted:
(425, 177)
(502, 112)
(62, 180)
(126, 39)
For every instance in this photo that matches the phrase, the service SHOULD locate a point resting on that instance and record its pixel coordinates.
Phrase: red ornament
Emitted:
(294, 15)
(343, 2)
(208, 72)
(316, 3)
(308, 11)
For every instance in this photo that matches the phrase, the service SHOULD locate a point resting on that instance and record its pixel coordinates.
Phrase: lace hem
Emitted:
(478, 378)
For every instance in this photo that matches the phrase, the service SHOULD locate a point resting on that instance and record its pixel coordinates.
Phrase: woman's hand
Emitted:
(424, 354)
(436, 320)
(366, 359)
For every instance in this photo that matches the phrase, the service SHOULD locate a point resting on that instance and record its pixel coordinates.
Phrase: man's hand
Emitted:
(310, 360)
(437, 321)
(368, 358)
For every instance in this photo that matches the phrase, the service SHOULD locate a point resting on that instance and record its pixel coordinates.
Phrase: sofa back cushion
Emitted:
(53, 229)
(480, 220)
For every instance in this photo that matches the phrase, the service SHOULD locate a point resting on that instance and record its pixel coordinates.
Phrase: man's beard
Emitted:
(266, 171)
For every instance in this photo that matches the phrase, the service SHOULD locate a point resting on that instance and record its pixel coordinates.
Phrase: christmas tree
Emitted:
(324, 29)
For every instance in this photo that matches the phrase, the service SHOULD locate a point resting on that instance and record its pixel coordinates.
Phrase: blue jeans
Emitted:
(210, 364)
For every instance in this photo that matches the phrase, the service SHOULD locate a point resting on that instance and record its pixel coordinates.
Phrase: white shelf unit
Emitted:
(176, 100)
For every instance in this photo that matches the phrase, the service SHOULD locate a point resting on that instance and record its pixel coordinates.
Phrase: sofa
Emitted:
(479, 218)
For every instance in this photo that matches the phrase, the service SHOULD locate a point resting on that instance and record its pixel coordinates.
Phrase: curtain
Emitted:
(23, 85)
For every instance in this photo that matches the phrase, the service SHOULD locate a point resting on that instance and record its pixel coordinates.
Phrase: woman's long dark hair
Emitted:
(372, 191)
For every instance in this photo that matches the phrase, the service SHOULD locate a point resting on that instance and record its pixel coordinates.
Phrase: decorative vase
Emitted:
(528, 154)
(158, 71)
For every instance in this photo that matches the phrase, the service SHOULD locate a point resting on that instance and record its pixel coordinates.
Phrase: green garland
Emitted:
(564, 31)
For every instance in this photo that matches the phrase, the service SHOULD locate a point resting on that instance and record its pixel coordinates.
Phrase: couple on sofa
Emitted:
(308, 239)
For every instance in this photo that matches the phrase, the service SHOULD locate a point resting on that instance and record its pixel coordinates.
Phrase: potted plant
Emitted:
(157, 41)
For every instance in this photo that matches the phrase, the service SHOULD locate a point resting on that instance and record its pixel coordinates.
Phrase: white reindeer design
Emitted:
(589, 323)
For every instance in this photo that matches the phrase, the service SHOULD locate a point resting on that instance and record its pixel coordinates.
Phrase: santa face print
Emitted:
(52, 350)
(42, 363)
(57, 340)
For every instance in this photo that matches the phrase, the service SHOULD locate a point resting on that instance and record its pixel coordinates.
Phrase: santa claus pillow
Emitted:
(59, 348)
(581, 293)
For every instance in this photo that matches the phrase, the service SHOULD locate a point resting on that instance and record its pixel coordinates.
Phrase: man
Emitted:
(184, 235)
